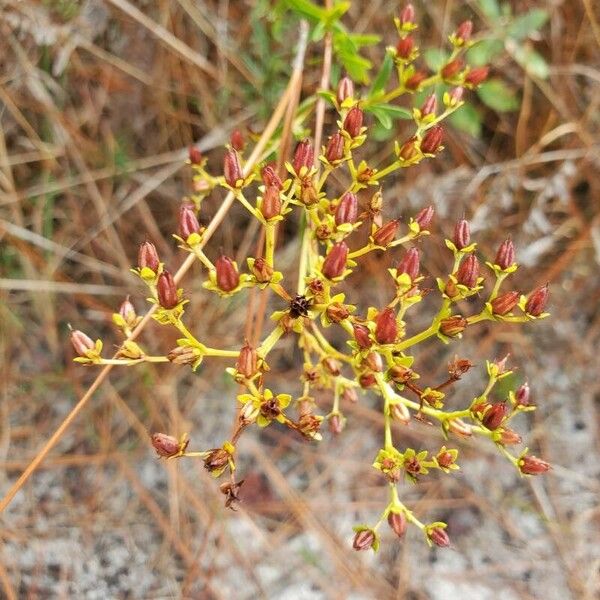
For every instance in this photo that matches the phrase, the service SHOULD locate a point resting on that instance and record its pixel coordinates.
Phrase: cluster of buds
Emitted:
(379, 354)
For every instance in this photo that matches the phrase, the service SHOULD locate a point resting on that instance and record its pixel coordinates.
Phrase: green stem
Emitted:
(270, 243)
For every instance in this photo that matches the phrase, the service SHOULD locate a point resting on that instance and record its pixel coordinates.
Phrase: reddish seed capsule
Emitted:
(445, 460)
(532, 465)
(439, 537)
(148, 256)
(452, 326)
(505, 257)
(335, 262)
(536, 303)
(477, 76)
(410, 263)
(304, 156)
(386, 233)
(228, 277)
(262, 271)
(195, 155)
(415, 80)
(271, 202)
(503, 304)
(456, 95)
(468, 271)
(354, 121)
(493, 417)
(386, 327)
(432, 140)
(166, 290)
(407, 16)
(188, 222)
(367, 380)
(81, 342)
(508, 437)
(335, 148)
(424, 217)
(347, 209)
(217, 460)
(462, 234)
(246, 363)
(397, 521)
(345, 89)
(522, 395)
(452, 69)
(232, 169)
(429, 106)
(408, 151)
(237, 140)
(165, 445)
(405, 47)
(373, 361)
(361, 335)
(270, 177)
(464, 31)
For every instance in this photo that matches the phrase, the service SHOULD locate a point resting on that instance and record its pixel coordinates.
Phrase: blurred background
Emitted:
(99, 102)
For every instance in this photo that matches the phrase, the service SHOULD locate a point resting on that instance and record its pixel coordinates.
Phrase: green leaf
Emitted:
(525, 25)
(490, 9)
(383, 76)
(329, 96)
(497, 95)
(307, 9)
(467, 119)
(382, 116)
(435, 58)
(533, 63)
(386, 114)
(364, 39)
(484, 51)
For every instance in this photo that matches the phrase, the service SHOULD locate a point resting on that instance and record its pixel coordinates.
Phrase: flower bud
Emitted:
(332, 366)
(536, 303)
(354, 121)
(405, 47)
(462, 234)
(335, 262)
(166, 290)
(237, 140)
(247, 361)
(452, 326)
(429, 106)
(228, 277)
(373, 361)
(127, 312)
(386, 233)
(166, 445)
(522, 395)
(410, 264)
(503, 304)
(232, 169)
(361, 336)
(363, 540)
(532, 465)
(415, 80)
(335, 148)
(456, 95)
(397, 521)
(508, 437)
(262, 271)
(468, 271)
(304, 156)
(464, 31)
(347, 209)
(195, 155)
(439, 537)
(345, 89)
(432, 140)
(400, 413)
(386, 327)
(477, 76)
(494, 415)
(148, 257)
(349, 395)
(424, 217)
(270, 177)
(81, 342)
(452, 68)
(460, 427)
(188, 222)
(271, 203)
(505, 257)
(336, 424)
(407, 16)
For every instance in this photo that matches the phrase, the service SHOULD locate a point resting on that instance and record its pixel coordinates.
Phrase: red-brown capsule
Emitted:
(367, 380)
(228, 277)
(271, 202)
(386, 326)
(536, 303)
(415, 80)
(354, 121)
(503, 304)
(439, 537)
(409, 150)
(262, 271)
(456, 95)
(532, 465)
(304, 156)
(232, 169)
(386, 233)
(247, 361)
(407, 15)
(462, 234)
(452, 326)
(165, 445)
(148, 256)
(397, 521)
(335, 262)
(405, 47)
(270, 177)
(361, 336)
(345, 89)
(81, 342)
(432, 140)
(410, 263)
(445, 459)
(464, 31)
(477, 76)
(195, 155)
(452, 68)
(508, 437)
(166, 290)
(337, 312)
(523, 394)
(237, 140)
(425, 216)
(373, 361)
(468, 271)
(188, 222)
(335, 147)
(505, 257)
(363, 540)
(493, 417)
(429, 106)
(347, 209)
(216, 460)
